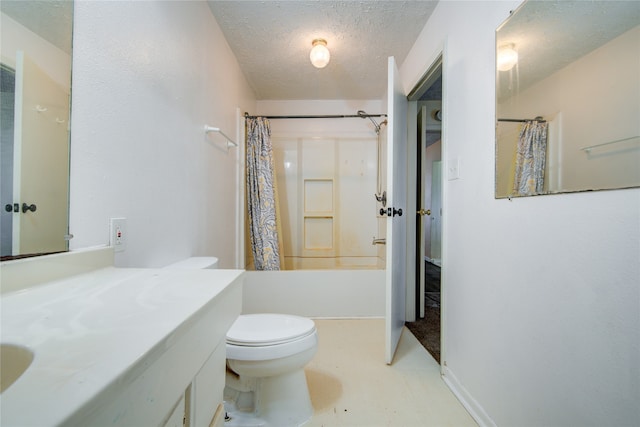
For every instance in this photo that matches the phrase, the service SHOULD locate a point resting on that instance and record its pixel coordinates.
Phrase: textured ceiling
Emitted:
(272, 39)
(50, 19)
(549, 35)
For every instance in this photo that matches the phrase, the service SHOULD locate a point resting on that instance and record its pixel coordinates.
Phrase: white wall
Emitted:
(147, 77)
(541, 295)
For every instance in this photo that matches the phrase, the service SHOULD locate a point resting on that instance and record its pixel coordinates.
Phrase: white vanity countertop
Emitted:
(95, 332)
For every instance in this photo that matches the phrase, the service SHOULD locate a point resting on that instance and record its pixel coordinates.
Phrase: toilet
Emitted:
(265, 382)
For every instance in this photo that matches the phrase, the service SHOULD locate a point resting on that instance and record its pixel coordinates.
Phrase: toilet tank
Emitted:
(195, 263)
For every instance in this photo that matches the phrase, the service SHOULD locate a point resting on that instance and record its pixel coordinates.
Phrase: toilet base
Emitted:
(276, 401)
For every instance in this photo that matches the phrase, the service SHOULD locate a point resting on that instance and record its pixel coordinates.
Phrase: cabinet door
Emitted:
(208, 386)
(177, 416)
(218, 417)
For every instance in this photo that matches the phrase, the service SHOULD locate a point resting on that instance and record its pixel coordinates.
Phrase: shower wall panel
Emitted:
(326, 188)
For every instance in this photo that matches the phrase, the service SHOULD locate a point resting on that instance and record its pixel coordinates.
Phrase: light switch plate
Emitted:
(453, 169)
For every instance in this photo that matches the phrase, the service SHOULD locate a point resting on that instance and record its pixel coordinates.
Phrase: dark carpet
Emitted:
(427, 330)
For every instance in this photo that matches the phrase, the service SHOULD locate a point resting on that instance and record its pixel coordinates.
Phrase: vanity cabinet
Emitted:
(122, 347)
(191, 372)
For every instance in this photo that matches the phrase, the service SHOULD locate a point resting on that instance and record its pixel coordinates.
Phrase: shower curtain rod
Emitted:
(537, 119)
(337, 116)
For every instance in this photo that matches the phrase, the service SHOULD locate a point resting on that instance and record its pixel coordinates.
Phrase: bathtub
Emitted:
(316, 293)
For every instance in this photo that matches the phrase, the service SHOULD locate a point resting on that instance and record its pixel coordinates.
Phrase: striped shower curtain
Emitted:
(531, 156)
(262, 196)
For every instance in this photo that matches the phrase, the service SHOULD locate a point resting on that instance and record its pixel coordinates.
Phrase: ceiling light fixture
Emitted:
(319, 54)
(507, 57)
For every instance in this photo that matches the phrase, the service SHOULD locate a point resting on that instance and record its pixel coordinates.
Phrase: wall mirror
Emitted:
(36, 84)
(573, 66)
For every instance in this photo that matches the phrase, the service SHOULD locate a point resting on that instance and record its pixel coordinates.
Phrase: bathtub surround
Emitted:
(553, 344)
(326, 175)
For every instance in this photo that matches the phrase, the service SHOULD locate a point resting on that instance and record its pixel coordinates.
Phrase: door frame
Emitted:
(438, 59)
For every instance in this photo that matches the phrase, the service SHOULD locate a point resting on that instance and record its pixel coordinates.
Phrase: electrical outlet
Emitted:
(118, 234)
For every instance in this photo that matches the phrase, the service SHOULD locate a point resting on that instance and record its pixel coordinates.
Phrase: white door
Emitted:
(396, 222)
(40, 160)
(423, 207)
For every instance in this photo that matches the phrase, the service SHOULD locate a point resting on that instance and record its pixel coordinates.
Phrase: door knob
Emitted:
(391, 212)
(394, 212)
(12, 207)
(423, 212)
(26, 207)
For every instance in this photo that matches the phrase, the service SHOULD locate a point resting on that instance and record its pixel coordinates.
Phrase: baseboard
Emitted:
(470, 404)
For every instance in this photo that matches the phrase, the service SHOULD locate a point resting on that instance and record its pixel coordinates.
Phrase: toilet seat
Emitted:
(257, 330)
(269, 336)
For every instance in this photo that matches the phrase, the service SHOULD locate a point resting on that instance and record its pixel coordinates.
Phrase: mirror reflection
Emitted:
(568, 98)
(35, 76)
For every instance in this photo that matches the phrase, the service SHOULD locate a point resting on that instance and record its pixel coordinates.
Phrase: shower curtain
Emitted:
(530, 159)
(262, 203)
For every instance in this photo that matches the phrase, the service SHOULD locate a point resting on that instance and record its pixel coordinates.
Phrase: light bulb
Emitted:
(319, 54)
(507, 57)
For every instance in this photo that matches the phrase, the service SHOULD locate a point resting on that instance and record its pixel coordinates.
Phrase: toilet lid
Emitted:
(268, 329)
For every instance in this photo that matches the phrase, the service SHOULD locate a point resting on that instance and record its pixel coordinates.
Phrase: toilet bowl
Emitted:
(265, 382)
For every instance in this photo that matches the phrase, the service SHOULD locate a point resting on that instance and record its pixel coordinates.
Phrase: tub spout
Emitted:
(382, 241)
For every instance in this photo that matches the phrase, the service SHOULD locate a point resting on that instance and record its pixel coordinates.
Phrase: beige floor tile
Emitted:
(351, 386)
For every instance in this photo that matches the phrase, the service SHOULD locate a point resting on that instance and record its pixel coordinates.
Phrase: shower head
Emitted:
(363, 114)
